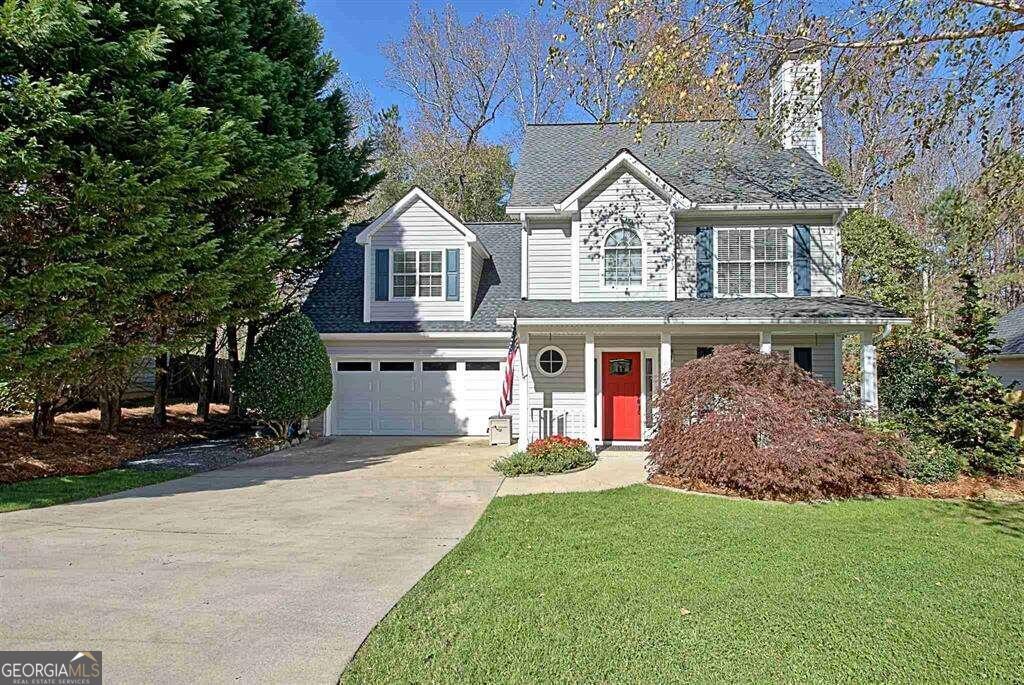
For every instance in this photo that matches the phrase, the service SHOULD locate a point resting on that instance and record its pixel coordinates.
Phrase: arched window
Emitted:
(623, 258)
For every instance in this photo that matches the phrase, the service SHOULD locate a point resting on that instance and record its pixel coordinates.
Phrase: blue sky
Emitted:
(355, 29)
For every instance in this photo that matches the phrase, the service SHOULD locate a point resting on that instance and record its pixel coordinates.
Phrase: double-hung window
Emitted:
(753, 261)
(417, 273)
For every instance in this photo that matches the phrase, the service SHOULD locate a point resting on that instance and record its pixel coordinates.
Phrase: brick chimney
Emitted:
(795, 100)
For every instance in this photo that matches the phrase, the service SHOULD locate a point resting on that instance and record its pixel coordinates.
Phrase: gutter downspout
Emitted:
(886, 332)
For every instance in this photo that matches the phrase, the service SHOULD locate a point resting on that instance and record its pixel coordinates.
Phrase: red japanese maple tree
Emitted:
(760, 426)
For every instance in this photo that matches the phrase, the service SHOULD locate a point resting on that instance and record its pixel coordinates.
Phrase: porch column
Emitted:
(868, 373)
(590, 391)
(524, 390)
(665, 359)
(765, 342)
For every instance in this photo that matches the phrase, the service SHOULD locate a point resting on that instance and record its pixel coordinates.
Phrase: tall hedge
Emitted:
(287, 375)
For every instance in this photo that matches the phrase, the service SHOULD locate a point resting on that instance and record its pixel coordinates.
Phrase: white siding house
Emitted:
(622, 260)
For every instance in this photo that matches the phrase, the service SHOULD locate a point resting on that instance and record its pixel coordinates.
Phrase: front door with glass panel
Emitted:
(620, 387)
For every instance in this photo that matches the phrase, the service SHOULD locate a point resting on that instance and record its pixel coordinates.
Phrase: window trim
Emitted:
(643, 261)
(540, 369)
(716, 268)
(417, 297)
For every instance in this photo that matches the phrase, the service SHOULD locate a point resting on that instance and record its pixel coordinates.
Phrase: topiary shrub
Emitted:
(759, 426)
(931, 461)
(556, 454)
(286, 377)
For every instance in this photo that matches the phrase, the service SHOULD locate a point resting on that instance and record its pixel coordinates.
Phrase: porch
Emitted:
(599, 383)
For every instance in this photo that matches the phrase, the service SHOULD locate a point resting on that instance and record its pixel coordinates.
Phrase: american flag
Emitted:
(513, 348)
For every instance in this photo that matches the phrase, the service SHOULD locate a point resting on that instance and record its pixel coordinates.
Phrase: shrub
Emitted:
(760, 426)
(930, 461)
(911, 367)
(556, 454)
(287, 375)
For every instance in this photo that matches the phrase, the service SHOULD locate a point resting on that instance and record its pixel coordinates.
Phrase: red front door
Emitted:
(620, 385)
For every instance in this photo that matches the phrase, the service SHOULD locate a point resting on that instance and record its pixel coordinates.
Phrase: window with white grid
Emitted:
(623, 258)
(753, 261)
(771, 261)
(416, 274)
(734, 262)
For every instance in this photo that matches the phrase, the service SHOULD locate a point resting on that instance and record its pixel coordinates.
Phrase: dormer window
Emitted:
(416, 274)
(623, 258)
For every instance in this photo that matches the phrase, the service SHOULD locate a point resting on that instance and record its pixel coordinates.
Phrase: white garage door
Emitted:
(414, 397)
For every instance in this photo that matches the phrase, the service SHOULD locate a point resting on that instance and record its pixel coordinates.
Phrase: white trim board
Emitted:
(424, 335)
(412, 196)
(672, 321)
(625, 158)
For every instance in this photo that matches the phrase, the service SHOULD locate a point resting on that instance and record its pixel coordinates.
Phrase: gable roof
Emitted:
(335, 305)
(417, 194)
(556, 159)
(627, 160)
(1010, 330)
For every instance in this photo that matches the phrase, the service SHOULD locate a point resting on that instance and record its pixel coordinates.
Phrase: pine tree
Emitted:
(973, 414)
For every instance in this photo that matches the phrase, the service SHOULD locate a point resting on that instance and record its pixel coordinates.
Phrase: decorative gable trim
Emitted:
(399, 207)
(628, 160)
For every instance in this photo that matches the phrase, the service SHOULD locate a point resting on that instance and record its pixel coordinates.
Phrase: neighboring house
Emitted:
(621, 260)
(1009, 363)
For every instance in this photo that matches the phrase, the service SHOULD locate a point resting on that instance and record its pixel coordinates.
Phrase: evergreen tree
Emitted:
(107, 167)
(972, 411)
(883, 262)
(294, 168)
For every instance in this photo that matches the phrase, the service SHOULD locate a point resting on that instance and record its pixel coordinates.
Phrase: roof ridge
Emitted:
(627, 121)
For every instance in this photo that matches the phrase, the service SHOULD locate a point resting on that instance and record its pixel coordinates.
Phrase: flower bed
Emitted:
(557, 454)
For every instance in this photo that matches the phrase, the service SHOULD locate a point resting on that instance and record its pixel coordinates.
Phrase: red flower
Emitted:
(544, 445)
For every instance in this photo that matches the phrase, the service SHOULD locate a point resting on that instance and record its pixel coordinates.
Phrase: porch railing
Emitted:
(547, 422)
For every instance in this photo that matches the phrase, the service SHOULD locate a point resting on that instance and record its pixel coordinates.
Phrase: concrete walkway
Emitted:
(614, 469)
(272, 570)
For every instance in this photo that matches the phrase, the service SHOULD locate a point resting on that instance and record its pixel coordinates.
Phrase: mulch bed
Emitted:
(965, 487)
(78, 448)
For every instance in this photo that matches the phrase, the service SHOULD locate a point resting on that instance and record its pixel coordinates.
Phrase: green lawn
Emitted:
(45, 492)
(645, 585)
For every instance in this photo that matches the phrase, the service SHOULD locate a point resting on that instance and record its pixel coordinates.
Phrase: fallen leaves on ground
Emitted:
(78, 448)
(965, 487)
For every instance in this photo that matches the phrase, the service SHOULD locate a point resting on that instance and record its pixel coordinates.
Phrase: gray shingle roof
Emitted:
(724, 308)
(335, 304)
(1010, 330)
(558, 158)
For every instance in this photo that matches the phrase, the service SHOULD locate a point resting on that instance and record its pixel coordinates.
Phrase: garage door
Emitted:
(414, 397)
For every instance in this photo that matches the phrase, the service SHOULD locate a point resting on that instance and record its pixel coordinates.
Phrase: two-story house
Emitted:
(621, 260)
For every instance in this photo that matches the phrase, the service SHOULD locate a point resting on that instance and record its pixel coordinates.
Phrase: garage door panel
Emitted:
(395, 424)
(353, 388)
(432, 401)
(353, 424)
(443, 423)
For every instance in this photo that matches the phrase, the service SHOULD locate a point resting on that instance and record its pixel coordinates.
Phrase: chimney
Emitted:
(795, 100)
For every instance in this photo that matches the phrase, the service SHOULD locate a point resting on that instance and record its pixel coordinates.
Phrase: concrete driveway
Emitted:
(273, 570)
